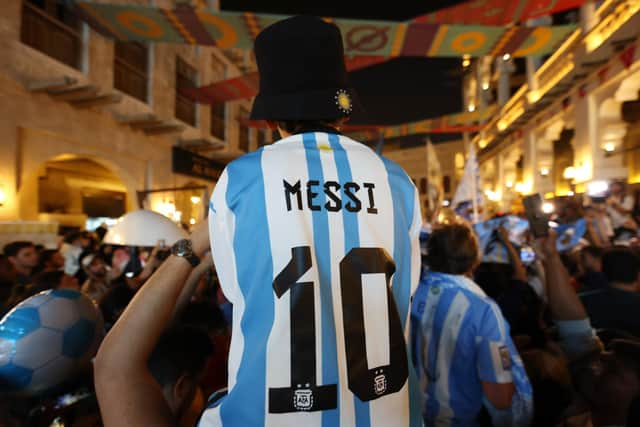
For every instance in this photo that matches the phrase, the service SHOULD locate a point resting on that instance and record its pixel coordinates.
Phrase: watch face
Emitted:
(181, 247)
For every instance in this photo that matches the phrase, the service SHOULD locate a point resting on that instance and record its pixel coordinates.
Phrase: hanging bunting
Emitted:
(185, 24)
(452, 123)
(498, 12)
(247, 85)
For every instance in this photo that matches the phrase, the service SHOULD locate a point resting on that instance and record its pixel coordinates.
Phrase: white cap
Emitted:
(144, 228)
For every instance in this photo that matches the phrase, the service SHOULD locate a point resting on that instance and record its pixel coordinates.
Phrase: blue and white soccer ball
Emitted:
(46, 340)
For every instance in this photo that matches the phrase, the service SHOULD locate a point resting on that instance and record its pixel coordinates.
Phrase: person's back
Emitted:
(460, 342)
(612, 308)
(319, 225)
(617, 305)
(465, 341)
(315, 241)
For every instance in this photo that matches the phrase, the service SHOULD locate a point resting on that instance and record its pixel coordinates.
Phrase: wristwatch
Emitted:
(183, 248)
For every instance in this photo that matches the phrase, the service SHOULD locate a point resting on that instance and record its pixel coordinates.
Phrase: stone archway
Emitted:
(71, 187)
(39, 147)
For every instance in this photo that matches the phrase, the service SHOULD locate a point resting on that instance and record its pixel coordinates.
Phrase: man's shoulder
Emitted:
(474, 298)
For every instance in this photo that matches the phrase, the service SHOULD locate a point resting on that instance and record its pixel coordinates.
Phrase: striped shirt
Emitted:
(459, 338)
(315, 241)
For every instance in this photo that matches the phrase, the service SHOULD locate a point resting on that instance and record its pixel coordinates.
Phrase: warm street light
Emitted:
(569, 172)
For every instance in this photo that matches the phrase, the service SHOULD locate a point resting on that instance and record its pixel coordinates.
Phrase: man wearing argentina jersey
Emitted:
(460, 341)
(315, 241)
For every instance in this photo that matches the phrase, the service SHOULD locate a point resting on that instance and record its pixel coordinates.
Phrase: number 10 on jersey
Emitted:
(305, 394)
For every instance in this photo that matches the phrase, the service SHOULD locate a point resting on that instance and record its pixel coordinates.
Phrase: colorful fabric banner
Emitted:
(453, 123)
(247, 85)
(498, 12)
(185, 24)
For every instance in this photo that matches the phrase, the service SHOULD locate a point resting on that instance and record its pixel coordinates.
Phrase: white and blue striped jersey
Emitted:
(315, 241)
(459, 339)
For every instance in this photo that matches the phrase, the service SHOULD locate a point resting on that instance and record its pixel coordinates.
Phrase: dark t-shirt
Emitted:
(592, 281)
(613, 308)
(23, 279)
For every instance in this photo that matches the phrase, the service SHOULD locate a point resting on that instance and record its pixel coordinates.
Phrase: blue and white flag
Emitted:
(569, 235)
(469, 183)
(493, 250)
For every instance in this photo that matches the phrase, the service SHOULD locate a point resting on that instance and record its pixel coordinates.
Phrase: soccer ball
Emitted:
(46, 340)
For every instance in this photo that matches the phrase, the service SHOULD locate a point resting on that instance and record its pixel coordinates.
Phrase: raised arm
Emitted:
(564, 303)
(519, 272)
(192, 283)
(574, 328)
(127, 393)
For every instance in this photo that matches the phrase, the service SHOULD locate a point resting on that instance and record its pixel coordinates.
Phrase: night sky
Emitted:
(399, 91)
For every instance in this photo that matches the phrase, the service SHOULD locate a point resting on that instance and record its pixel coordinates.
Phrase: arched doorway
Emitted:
(75, 191)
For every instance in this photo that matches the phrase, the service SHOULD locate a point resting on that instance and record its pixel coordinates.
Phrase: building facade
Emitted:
(435, 172)
(99, 119)
(576, 119)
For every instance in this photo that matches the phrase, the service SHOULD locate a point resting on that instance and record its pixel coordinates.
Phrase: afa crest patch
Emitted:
(505, 357)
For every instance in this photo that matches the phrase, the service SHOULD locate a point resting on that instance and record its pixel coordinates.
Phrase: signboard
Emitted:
(188, 163)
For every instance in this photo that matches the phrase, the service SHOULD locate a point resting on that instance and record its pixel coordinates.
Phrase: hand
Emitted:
(153, 257)
(590, 221)
(547, 245)
(611, 201)
(503, 234)
(200, 238)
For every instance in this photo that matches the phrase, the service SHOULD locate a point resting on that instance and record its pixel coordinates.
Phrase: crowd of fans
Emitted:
(111, 276)
(566, 323)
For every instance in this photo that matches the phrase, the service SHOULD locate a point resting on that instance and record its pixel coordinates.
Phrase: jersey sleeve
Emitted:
(414, 235)
(493, 351)
(221, 230)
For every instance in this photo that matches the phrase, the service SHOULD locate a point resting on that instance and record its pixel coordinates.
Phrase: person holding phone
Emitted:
(619, 207)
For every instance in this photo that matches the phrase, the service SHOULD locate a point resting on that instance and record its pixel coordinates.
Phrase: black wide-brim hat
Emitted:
(302, 72)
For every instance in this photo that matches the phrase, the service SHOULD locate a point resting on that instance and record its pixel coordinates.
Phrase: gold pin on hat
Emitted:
(343, 101)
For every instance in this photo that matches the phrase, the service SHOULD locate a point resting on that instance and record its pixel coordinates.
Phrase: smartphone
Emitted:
(538, 220)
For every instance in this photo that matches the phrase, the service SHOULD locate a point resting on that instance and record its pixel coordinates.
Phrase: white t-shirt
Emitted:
(618, 219)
